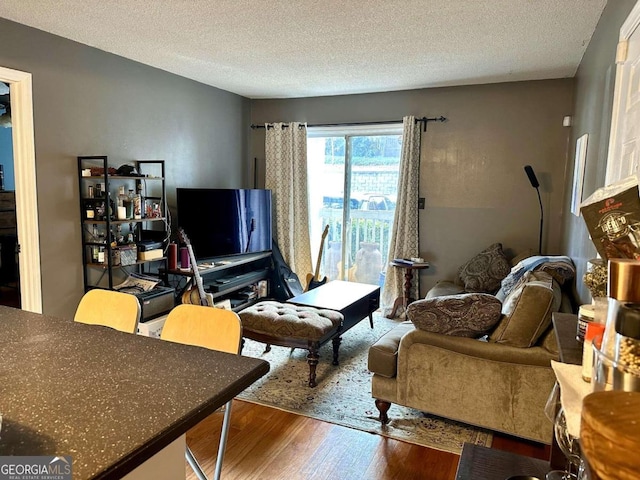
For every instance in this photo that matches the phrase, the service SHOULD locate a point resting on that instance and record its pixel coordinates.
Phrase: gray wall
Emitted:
(595, 81)
(88, 102)
(472, 172)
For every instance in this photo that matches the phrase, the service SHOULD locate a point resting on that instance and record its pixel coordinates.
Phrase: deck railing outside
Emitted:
(369, 232)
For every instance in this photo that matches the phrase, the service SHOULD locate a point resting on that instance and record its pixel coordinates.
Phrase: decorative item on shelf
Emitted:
(137, 206)
(89, 209)
(124, 255)
(128, 204)
(184, 258)
(152, 209)
(119, 235)
(100, 209)
(173, 256)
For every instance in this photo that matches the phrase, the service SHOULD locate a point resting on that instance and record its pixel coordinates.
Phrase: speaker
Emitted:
(532, 176)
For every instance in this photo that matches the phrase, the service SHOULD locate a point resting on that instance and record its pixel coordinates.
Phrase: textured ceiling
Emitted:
(284, 48)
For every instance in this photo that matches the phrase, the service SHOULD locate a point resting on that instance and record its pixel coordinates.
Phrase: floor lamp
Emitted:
(534, 183)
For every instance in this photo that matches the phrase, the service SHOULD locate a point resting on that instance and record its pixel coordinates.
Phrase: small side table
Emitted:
(408, 284)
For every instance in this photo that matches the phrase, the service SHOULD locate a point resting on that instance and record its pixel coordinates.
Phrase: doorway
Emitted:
(22, 135)
(9, 278)
(624, 141)
(353, 178)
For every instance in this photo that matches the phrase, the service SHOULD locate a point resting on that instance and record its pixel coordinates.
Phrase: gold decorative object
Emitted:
(595, 278)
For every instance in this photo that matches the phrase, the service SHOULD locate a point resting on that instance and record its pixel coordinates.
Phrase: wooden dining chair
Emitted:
(109, 308)
(212, 328)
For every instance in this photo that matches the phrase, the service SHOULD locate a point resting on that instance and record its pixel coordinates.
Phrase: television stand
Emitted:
(226, 278)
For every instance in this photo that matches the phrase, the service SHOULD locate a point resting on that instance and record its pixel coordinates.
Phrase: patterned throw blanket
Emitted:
(560, 267)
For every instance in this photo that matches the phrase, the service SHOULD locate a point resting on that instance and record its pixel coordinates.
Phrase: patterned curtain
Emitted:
(405, 241)
(286, 177)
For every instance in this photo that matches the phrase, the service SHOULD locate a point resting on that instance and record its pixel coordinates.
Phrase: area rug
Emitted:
(343, 394)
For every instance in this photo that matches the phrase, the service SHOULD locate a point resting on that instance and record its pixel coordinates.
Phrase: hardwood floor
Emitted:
(266, 443)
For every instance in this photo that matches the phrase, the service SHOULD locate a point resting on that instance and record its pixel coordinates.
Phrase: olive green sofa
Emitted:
(500, 381)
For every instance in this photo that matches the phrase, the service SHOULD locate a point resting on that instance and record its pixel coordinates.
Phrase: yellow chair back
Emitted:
(202, 326)
(109, 308)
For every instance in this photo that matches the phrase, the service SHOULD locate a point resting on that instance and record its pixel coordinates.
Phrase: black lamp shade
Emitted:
(532, 176)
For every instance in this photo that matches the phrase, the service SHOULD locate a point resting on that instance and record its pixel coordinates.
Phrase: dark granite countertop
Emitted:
(110, 400)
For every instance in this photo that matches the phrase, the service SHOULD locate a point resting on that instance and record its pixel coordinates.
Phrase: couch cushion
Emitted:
(463, 315)
(383, 355)
(527, 312)
(444, 287)
(533, 278)
(485, 271)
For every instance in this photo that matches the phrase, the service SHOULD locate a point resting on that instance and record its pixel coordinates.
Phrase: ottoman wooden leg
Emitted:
(383, 408)
(336, 347)
(312, 360)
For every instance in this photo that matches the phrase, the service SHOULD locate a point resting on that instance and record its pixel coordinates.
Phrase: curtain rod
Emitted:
(423, 120)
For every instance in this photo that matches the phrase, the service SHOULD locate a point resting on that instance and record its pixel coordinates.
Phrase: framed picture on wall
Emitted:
(578, 173)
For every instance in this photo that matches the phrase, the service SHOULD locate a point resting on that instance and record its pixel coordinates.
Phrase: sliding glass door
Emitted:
(353, 179)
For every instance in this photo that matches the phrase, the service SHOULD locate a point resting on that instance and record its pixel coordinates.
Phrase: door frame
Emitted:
(24, 160)
(614, 163)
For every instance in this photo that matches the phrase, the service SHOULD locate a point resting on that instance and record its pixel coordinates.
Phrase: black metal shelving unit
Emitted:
(98, 219)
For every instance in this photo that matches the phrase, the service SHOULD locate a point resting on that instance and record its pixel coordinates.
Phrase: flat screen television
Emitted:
(224, 222)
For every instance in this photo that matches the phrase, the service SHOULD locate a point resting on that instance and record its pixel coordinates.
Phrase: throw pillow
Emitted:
(485, 271)
(531, 278)
(527, 311)
(464, 315)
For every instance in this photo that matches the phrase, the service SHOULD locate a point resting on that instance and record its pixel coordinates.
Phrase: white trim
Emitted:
(26, 193)
(631, 23)
(613, 159)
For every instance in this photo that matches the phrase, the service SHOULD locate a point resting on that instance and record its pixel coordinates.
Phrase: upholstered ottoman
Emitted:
(289, 325)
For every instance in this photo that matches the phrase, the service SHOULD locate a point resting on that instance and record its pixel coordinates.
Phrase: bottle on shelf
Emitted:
(111, 207)
(128, 203)
(89, 209)
(122, 198)
(138, 209)
(119, 235)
